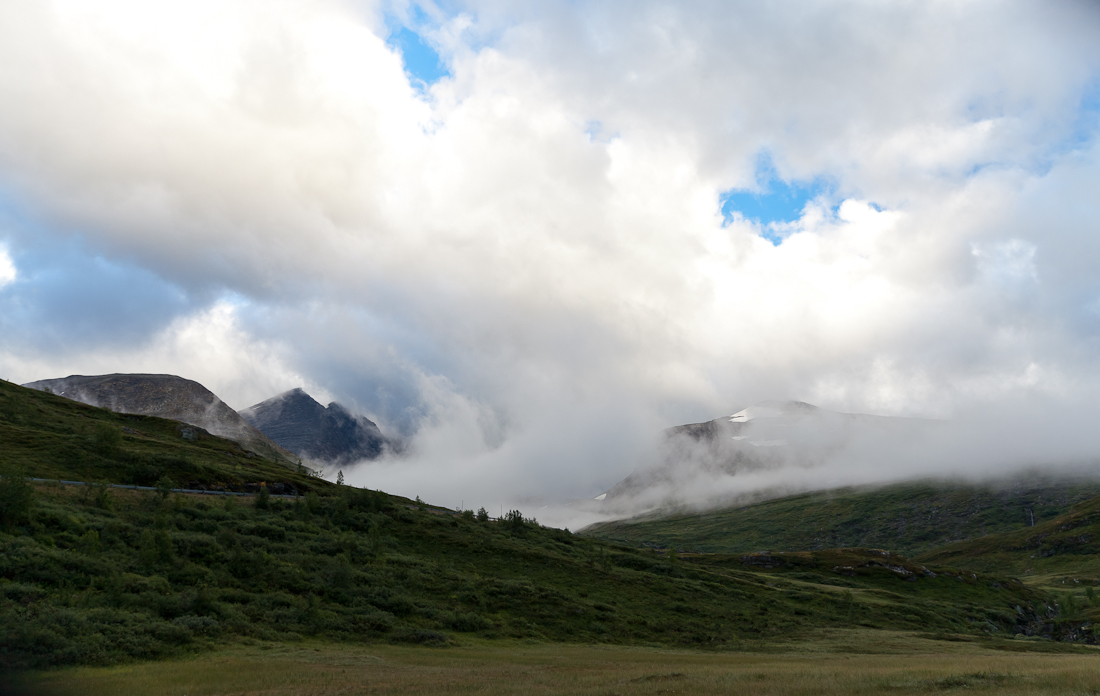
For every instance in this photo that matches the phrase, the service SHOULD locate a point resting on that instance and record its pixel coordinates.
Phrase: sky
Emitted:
(528, 236)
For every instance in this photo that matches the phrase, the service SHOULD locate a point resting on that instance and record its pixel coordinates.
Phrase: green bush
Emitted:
(106, 439)
(16, 498)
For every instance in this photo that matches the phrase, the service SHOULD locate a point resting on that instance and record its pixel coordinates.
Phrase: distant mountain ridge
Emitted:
(767, 435)
(331, 434)
(165, 396)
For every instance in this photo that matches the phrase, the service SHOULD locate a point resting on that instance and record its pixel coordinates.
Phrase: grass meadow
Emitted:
(845, 662)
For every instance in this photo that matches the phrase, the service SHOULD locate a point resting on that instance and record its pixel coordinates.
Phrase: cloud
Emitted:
(7, 268)
(466, 261)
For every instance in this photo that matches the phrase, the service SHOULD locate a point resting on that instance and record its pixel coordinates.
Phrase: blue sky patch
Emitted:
(772, 201)
(422, 61)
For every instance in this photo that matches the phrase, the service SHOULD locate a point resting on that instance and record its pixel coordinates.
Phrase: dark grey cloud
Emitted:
(68, 299)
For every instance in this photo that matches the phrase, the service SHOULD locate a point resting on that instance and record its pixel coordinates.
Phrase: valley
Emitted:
(94, 575)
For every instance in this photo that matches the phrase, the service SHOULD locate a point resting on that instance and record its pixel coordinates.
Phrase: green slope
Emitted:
(88, 578)
(48, 436)
(908, 518)
(1061, 553)
(99, 575)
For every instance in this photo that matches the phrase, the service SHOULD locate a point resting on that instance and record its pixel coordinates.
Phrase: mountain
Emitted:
(166, 396)
(52, 437)
(691, 459)
(98, 575)
(299, 423)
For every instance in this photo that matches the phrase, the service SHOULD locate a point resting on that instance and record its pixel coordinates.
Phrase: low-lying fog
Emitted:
(778, 449)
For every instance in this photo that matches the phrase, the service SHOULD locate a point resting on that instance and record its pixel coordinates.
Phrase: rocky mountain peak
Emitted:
(331, 434)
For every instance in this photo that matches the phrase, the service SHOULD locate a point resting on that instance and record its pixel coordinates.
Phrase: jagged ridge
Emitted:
(296, 421)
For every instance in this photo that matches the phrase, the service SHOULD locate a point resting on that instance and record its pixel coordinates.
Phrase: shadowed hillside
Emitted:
(49, 436)
(1061, 552)
(907, 517)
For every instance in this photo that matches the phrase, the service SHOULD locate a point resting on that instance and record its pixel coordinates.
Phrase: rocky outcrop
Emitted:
(332, 434)
(166, 396)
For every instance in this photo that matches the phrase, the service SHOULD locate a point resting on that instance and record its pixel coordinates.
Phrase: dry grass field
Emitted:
(839, 662)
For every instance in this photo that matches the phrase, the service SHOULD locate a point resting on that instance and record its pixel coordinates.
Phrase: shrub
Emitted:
(101, 494)
(513, 521)
(198, 625)
(164, 487)
(470, 622)
(263, 499)
(16, 499)
(106, 439)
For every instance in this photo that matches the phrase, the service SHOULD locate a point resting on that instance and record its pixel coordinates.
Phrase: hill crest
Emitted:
(165, 396)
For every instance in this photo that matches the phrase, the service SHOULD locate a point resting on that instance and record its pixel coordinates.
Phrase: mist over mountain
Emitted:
(331, 434)
(165, 396)
(695, 464)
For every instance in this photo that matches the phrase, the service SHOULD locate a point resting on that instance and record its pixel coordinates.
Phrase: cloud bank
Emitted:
(526, 262)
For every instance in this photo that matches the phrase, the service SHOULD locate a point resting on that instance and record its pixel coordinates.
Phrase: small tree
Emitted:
(340, 478)
(164, 487)
(482, 515)
(263, 499)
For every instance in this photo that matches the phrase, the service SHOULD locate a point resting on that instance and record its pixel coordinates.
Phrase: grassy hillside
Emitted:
(909, 518)
(96, 576)
(1061, 553)
(48, 436)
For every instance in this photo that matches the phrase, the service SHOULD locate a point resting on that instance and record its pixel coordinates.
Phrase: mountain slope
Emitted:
(131, 576)
(100, 575)
(1054, 552)
(297, 422)
(49, 436)
(908, 517)
(166, 396)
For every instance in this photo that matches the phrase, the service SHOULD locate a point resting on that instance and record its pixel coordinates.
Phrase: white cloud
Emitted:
(538, 299)
(7, 268)
(209, 347)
